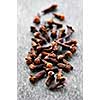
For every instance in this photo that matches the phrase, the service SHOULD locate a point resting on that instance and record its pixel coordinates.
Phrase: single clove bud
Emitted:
(50, 9)
(36, 19)
(37, 76)
(59, 84)
(32, 53)
(53, 33)
(38, 41)
(33, 29)
(59, 16)
(28, 60)
(49, 59)
(66, 67)
(50, 78)
(38, 35)
(70, 30)
(59, 75)
(40, 48)
(51, 22)
(44, 32)
(47, 64)
(54, 69)
(71, 42)
(64, 55)
(34, 44)
(65, 46)
(53, 55)
(38, 59)
(61, 33)
(55, 47)
(33, 67)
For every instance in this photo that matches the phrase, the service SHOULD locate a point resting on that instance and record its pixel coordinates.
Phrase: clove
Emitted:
(59, 16)
(70, 30)
(50, 78)
(50, 9)
(33, 67)
(33, 29)
(37, 76)
(38, 35)
(36, 20)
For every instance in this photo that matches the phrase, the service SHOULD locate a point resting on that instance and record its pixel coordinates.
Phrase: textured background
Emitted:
(27, 9)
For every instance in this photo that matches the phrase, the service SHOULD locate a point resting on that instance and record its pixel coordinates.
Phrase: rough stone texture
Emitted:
(27, 9)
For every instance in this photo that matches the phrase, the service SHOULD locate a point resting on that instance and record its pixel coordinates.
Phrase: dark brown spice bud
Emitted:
(49, 59)
(37, 76)
(36, 67)
(70, 42)
(44, 32)
(38, 35)
(53, 33)
(33, 29)
(70, 30)
(38, 59)
(36, 19)
(59, 16)
(50, 9)
(34, 44)
(28, 60)
(61, 33)
(49, 54)
(50, 78)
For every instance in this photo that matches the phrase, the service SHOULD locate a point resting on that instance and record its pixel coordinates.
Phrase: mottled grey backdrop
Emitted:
(25, 90)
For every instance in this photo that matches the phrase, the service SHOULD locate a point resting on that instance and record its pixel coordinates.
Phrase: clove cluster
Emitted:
(52, 46)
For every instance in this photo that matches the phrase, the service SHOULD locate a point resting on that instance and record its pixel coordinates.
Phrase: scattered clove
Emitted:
(50, 78)
(59, 16)
(51, 48)
(50, 9)
(33, 29)
(37, 76)
(36, 20)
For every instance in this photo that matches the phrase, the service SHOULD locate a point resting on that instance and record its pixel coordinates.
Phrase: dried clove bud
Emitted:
(28, 60)
(59, 75)
(51, 22)
(37, 76)
(70, 30)
(50, 78)
(59, 84)
(54, 69)
(38, 35)
(55, 47)
(36, 67)
(66, 67)
(59, 16)
(38, 59)
(34, 44)
(36, 19)
(65, 46)
(71, 42)
(33, 29)
(44, 32)
(47, 64)
(49, 54)
(38, 41)
(53, 33)
(40, 48)
(49, 59)
(50, 9)
(61, 33)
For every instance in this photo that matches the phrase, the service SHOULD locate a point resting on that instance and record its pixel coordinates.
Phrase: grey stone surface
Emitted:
(27, 9)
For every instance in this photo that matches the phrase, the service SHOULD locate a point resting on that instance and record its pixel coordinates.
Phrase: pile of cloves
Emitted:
(51, 48)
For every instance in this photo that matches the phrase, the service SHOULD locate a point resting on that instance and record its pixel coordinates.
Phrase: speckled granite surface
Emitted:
(25, 90)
